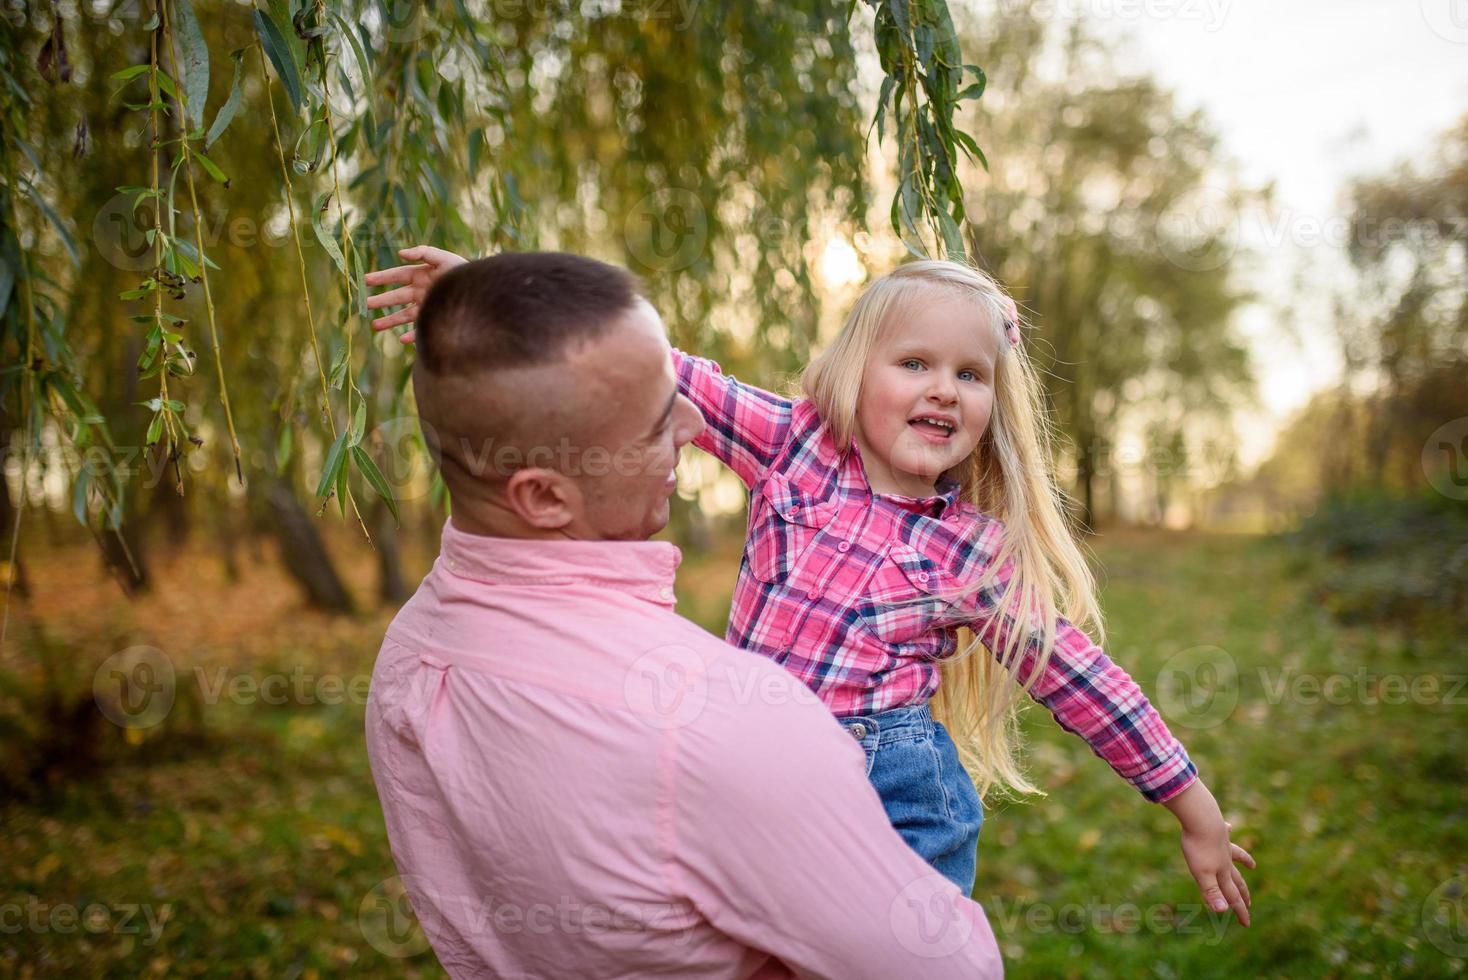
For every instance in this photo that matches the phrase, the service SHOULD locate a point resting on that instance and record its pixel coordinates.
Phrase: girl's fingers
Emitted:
(1243, 887)
(395, 319)
(396, 276)
(1235, 900)
(408, 336)
(1213, 894)
(393, 297)
(1242, 856)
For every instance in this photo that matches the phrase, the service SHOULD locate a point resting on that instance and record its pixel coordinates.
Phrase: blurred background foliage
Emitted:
(730, 153)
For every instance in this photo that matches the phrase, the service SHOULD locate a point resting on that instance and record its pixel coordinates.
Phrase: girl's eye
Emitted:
(912, 364)
(967, 376)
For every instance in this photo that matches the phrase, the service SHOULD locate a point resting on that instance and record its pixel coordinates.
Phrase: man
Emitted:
(577, 782)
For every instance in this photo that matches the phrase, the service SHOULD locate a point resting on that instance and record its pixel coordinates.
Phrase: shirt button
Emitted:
(790, 514)
(858, 731)
(813, 594)
(844, 547)
(922, 576)
(665, 593)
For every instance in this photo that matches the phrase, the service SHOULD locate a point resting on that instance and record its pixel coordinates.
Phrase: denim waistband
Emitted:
(892, 723)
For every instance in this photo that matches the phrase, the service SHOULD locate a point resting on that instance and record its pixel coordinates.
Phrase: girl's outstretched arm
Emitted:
(1091, 696)
(747, 426)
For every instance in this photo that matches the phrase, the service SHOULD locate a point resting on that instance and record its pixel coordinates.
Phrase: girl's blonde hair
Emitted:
(1009, 476)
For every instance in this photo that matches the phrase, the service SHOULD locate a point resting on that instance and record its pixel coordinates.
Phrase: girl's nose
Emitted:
(943, 389)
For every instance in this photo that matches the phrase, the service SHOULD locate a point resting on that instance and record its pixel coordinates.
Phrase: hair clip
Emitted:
(1011, 322)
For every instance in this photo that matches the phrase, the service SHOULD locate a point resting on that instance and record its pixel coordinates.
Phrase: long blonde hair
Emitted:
(1008, 476)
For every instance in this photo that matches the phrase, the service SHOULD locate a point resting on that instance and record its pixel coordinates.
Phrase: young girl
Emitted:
(907, 495)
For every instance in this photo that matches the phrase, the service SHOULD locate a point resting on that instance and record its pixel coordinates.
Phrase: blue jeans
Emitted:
(927, 793)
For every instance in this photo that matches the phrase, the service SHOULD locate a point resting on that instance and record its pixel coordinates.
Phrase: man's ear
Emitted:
(543, 498)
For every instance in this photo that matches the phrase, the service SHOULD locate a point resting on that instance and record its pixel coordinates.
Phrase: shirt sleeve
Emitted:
(781, 843)
(1087, 693)
(746, 426)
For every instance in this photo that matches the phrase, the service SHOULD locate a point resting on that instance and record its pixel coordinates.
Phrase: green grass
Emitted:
(264, 839)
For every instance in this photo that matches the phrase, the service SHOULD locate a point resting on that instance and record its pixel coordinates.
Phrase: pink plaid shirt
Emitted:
(829, 570)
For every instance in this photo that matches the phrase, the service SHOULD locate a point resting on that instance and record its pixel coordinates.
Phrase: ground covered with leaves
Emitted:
(241, 836)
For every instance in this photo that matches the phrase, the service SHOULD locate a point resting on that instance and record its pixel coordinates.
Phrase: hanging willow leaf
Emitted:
(194, 63)
(212, 167)
(280, 57)
(375, 480)
(231, 104)
(357, 49)
(335, 460)
(318, 217)
(359, 424)
(56, 222)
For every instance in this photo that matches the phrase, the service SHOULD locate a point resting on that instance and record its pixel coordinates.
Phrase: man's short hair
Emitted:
(518, 309)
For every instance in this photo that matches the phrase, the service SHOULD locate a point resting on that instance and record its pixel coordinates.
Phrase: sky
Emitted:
(1305, 94)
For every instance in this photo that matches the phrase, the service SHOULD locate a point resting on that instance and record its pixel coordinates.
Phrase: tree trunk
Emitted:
(391, 586)
(303, 552)
(122, 553)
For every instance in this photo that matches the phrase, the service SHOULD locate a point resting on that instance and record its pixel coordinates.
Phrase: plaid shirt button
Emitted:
(813, 594)
(844, 547)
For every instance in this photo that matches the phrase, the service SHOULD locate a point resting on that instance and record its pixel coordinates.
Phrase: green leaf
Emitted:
(165, 82)
(212, 167)
(155, 429)
(231, 105)
(79, 495)
(338, 368)
(128, 74)
(341, 485)
(281, 57)
(967, 142)
(323, 236)
(194, 63)
(283, 445)
(476, 147)
(357, 49)
(56, 222)
(375, 480)
(359, 424)
(188, 248)
(952, 236)
(335, 459)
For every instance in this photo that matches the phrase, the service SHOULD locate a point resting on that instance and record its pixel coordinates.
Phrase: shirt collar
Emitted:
(644, 569)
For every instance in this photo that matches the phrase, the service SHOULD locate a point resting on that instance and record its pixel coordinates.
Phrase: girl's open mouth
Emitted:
(933, 429)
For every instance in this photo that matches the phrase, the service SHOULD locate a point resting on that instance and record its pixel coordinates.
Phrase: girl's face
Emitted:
(926, 395)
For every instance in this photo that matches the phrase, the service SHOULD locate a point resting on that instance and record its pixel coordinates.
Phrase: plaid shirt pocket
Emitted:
(787, 519)
(904, 598)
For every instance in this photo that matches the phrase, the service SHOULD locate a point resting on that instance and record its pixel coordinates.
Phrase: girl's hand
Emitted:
(1209, 852)
(412, 282)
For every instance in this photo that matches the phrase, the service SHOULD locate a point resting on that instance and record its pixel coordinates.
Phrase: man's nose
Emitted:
(693, 422)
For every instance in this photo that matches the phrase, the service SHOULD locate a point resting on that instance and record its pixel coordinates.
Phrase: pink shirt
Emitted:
(577, 782)
(845, 588)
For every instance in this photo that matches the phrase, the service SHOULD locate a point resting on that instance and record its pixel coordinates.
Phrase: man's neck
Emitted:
(488, 519)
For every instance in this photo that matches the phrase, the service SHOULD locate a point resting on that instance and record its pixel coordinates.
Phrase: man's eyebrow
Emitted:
(667, 412)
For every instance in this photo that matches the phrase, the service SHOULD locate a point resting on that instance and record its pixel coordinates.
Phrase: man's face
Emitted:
(627, 475)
